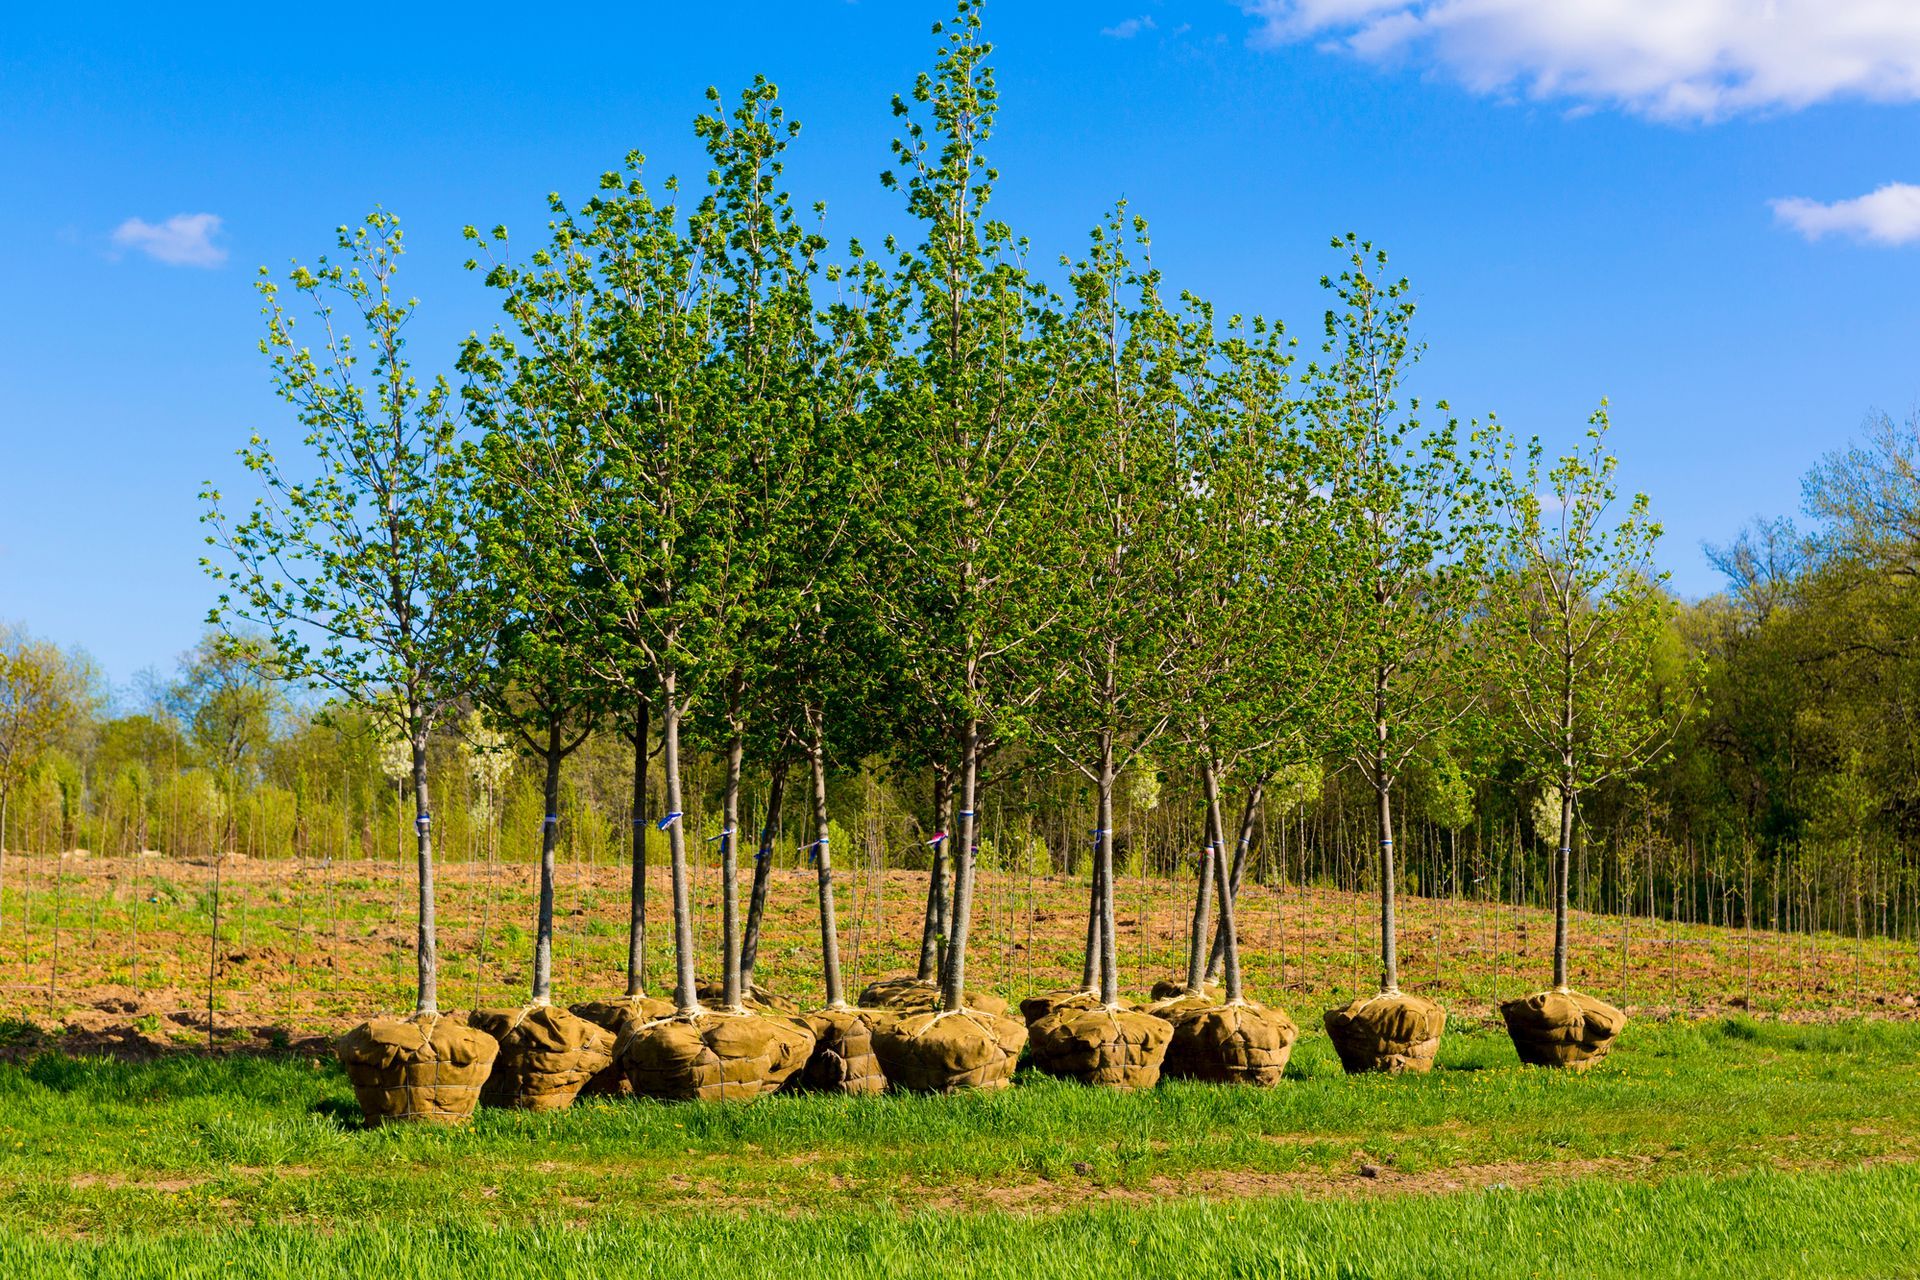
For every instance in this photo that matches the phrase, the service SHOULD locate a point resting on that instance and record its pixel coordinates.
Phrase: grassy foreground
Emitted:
(1860, 1223)
(1698, 1149)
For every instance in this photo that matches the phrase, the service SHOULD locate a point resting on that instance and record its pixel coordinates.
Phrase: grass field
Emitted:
(1699, 1148)
(1710, 1143)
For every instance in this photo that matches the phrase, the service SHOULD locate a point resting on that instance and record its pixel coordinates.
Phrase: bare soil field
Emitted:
(123, 954)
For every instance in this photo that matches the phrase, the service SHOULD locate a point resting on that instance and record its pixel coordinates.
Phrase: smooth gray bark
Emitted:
(686, 996)
(954, 983)
(1228, 932)
(823, 854)
(935, 926)
(427, 943)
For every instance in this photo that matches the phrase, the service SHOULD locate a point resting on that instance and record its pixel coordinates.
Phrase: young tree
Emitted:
(664, 350)
(542, 696)
(39, 699)
(1119, 497)
(1574, 627)
(962, 509)
(1263, 600)
(227, 696)
(360, 571)
(1419, 540)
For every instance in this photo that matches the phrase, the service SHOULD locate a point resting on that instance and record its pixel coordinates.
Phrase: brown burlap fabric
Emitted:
(713, 1056)
(1562, 1028)
(427, 1067)
(1244, 1043)
(843, 1060)
(948, 1052)
(910, 995)
(1118, 1048)
(1179, 1005)
(1389, 1032)
(1034, 1008)
(546, 1055)
(756, 997)
(1174, 988)
(616, 1015)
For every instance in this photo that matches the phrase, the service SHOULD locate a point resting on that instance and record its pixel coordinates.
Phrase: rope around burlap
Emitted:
(431, 1022)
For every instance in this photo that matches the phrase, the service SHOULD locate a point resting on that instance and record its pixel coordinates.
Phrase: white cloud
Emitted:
(184, 240)
(1889, 215)
(1666, 59)
(1129, 28)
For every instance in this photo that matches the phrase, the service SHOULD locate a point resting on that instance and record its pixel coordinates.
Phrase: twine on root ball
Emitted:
(1392, 1032)
(426, 1068)
(1114, 1047)
(1563, 1029)
(1243, 1042)
(713, 1055)
(843, 1058)
(547, 1056)
(939, 1052)
(616, 1017)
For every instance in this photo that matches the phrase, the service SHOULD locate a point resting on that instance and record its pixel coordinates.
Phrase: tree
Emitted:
(1118, 495)
(227, 696)
(961, 510)
(1419, 540)
(610, 334)
(1575, 622)
(360, 571)
(540, 691)
(39, 699)
(1264, 597)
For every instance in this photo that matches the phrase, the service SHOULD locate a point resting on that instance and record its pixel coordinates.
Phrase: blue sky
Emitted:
(1586, 193)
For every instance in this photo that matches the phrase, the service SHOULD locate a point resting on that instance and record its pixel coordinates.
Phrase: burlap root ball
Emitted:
(936, 1052)
(911, 995)
(616, 1016)
(714, 1056)
(1174, 988)
(1244, 1043)
(843, 1060)
(1391, 1032)
(756, 997)
(1116, 1047)
(1562, 1028)
(1034, 1008)
(546, 1056)
(427, 1067)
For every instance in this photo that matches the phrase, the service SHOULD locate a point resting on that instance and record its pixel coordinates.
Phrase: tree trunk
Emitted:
(729, 865)
(1389, 954)
(762, 874)
(1245, 842)
(934, 928)
(1103, 875)
(1563, 861)
(637, 890)
(685, 995)
(549, 837)
(823, 851)
(1197, 932)
(1229, 936)
(1090, 966)
(954, 981)
(427, 946)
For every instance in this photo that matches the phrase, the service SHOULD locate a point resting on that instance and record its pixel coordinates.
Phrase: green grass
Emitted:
(1697, 1146)
(1858, 1223)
